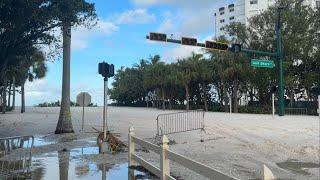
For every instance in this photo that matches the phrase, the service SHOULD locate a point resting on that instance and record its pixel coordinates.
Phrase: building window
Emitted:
(231, 18)
(231, 6)
(221, 13)
(254, 2)
(221, 9)
(222, 21)
(231, 10)
(222, 29)
(318, 4)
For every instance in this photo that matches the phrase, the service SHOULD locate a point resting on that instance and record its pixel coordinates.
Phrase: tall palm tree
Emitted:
(185, 73)
(65, 124)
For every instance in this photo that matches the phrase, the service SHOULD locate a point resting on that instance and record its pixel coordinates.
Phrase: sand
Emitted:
(236, 144)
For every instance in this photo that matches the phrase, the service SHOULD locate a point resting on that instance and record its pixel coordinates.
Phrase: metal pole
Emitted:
(82, 111)
(319, 106)
(230, 103)
(273, 108)
(105, 108)
(280, 60)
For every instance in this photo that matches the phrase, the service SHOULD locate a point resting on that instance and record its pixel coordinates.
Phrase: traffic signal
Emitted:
(106, 70)
(158, 37)
(236, 48)
(189, 41)
(217, 45)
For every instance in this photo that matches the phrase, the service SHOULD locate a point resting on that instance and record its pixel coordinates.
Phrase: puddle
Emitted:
(72, 165)
(298, 167)
(40, 141)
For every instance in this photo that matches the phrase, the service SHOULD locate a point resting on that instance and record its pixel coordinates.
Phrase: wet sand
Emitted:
(236, 144)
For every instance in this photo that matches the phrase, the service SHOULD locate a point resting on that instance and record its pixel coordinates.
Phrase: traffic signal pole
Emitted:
(280, 61)
(237, 48)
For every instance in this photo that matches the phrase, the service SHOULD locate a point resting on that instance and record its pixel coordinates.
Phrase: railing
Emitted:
(165, 154)
(296, 111)
(180, 122)
(15, 156)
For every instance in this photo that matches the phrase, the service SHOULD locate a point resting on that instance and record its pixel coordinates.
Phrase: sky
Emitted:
(120, 38)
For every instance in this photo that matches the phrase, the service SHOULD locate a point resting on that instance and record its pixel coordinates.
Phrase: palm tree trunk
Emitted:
(23, 104)
(186, 87)
(14, 92)
(4, 99)
(170, 104)
(9, 94)
(63, 158)
(235, 97)
(225, 98)
(163, 100)
(204, 96)
(65, 124)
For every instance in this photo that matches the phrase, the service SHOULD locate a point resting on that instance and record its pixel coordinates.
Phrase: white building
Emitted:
(243, 10)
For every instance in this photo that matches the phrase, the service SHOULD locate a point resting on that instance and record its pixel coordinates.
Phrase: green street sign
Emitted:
(259, 63)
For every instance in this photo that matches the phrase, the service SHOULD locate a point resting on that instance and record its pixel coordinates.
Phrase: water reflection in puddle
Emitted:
(71, 165)
(40, 141)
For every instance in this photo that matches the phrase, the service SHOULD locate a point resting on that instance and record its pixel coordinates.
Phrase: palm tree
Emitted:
(33, 67)
(65, 124)
(185, 73)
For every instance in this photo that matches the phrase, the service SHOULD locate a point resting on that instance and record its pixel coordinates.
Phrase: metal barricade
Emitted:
(296, 111)
(15, 157)
(180, 122)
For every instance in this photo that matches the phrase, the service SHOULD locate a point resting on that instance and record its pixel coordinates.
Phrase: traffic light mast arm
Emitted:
(177, 41)
(263, 53)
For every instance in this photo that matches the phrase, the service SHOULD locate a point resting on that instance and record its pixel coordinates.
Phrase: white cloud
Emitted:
(40, 90)
(180, 52)
(81, 35)
(145, 2)
(137, 16)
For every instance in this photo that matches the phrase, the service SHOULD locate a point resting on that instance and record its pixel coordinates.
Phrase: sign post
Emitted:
(83, 99)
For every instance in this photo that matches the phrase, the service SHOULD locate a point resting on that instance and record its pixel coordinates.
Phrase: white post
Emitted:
(164, 160)
(267, 173)
(131, 151)
(230, 103)
(273, 108)
(131, 146)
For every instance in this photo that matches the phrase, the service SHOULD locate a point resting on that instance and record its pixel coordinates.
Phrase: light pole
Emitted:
(280, 60)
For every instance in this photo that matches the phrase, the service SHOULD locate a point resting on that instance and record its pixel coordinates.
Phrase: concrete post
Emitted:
(267, 174)
(273, 108)
(164, 160)
(131, 146)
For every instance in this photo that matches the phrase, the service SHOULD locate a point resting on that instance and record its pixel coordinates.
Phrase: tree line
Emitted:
(27, 28)
(212, 79)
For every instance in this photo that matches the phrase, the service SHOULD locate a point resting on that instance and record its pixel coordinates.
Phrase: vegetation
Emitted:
(58, 104)
(212, 79)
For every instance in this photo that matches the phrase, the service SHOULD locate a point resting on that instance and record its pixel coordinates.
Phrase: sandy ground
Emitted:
(236, 144)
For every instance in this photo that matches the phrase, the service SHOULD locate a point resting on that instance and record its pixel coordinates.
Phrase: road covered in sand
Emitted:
(236, 144)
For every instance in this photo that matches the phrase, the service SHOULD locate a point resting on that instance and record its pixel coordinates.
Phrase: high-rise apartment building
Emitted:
(243, 10)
